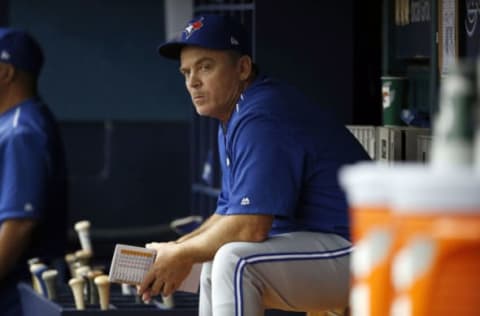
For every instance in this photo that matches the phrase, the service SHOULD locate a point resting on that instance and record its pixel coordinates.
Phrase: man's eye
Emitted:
(205, 67)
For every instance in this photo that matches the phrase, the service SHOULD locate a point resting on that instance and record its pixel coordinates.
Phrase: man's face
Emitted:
(213, 79)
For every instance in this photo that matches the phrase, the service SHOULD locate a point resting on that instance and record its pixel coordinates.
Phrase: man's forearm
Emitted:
(212, 219)
(203, 246)
(15, 237)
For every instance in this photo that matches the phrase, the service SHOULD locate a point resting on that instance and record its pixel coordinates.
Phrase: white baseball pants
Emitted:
(300, 271)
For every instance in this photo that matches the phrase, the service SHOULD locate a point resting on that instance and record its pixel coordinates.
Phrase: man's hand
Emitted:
(170, 269)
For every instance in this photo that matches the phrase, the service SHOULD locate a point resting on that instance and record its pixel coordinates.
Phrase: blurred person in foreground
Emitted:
(33, 190)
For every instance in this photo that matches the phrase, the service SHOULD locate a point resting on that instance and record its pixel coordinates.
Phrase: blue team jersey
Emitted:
(33, 179)
(280, 155)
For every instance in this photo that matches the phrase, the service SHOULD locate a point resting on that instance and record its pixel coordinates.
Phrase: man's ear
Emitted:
(7, 73)
(245, 67)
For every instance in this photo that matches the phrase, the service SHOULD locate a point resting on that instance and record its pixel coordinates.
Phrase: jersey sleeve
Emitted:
(222, 203)
(266, 170)
(23, 176)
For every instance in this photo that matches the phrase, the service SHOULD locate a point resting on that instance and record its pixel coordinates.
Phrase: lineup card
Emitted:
(130, 264)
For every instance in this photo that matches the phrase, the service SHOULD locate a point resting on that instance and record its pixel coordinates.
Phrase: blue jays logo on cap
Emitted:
(209, 31)
(192, 27)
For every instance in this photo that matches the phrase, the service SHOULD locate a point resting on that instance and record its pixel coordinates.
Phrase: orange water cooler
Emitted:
(435, 269)
(367, 188)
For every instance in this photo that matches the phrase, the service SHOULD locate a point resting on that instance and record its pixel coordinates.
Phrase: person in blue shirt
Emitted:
(33, 190)
(279, 237)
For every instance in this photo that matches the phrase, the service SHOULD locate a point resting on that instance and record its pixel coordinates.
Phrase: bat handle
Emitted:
(83, 230)
(49, 278)
(168, 301)
(103, 287)
(37, 269)
(77, 285)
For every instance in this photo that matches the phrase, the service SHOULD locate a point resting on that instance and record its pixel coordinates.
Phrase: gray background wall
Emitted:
(102, 61)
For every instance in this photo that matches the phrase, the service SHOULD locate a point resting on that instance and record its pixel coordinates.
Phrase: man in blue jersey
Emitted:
(32, 169)
(279, 237)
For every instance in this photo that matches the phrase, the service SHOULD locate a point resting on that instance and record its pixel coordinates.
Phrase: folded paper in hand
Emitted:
(131, 263)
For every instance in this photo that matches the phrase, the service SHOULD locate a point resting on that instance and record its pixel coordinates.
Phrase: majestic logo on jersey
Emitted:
(245, 201)
(192, 27)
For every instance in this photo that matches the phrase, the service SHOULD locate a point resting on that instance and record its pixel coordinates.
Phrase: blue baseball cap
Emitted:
(210, 31)
(20, 49)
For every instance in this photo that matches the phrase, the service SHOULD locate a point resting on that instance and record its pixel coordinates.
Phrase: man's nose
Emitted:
(194, 81)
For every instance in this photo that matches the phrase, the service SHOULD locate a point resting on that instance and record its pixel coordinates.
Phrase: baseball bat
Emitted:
(103, 287)
(49, 278)
(168, 301)
(83, 256)
(35, 284)
(126, 289)
(83, 231)
(37, 269)
(93, 297)
(70, 260)
(77, 285)
(82, 271)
